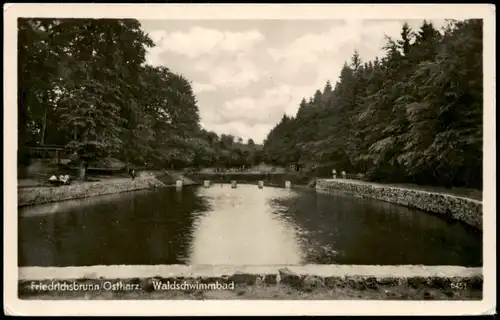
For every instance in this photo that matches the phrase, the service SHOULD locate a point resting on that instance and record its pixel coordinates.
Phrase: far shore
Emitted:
(35, 191)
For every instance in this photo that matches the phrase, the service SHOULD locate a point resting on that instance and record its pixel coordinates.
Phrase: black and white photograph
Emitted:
(310, 156)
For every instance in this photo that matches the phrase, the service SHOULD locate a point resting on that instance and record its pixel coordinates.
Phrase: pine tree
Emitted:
(413, 115)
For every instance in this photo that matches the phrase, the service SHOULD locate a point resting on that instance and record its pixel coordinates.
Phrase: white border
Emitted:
(14, 306)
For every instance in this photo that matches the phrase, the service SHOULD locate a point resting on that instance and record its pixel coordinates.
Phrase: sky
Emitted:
(247, 73)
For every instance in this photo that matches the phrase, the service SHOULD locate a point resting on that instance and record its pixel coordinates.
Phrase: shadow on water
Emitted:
(345, 229)
(143, 227)
(243, 226)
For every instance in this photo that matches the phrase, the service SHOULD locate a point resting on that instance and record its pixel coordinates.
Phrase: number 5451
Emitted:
(458, 285)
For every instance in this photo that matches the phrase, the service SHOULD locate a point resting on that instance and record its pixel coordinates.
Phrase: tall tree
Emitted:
(414, 114)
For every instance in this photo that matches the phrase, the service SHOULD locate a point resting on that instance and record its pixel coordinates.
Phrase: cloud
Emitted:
(305, 64)
(245, 76)
(325, 52)
(307, 47)
(154, 56)
(266, 109)
(200, 41)
(354, 33)
(237, 71)
(202, 87)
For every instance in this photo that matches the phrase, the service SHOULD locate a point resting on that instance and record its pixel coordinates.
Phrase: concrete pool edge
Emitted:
(201, 271)
(290, 282)
(469, 211)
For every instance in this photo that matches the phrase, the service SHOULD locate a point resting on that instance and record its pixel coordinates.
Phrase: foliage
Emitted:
(414, 115)
(84, 83)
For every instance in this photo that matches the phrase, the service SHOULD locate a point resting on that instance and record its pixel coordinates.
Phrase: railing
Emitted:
(355, 176)
(48, 148)
(49, 151)
(274, 170)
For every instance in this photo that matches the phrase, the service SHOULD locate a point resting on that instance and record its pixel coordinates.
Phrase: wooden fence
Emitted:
(51, 152)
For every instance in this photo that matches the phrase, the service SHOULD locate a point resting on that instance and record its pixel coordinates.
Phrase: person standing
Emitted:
(131, 172)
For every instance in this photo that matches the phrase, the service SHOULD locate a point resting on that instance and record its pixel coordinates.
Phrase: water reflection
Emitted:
(243, 229)
(246, 225)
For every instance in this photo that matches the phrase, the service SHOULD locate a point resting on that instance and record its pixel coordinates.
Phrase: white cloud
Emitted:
(237, 72)
(265, 109)
(245, 82)
(325, 53)
(154, 56)
(306, 48)
(202, 87)
(200, 41)
(253, 117)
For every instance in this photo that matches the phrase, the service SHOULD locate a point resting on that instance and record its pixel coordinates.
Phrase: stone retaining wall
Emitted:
(40, 195)
(467, 210)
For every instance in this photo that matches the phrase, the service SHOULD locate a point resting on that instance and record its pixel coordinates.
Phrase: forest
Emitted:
(412, 116)
(84, 84)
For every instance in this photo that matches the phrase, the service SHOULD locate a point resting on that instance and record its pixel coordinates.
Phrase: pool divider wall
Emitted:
(270, 178)
(466, 210)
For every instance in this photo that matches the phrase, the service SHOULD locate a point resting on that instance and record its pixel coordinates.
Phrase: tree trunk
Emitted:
(44, 120)
(44, 126)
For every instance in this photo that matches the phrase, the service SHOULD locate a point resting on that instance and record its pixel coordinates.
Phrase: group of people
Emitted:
(61, 180)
